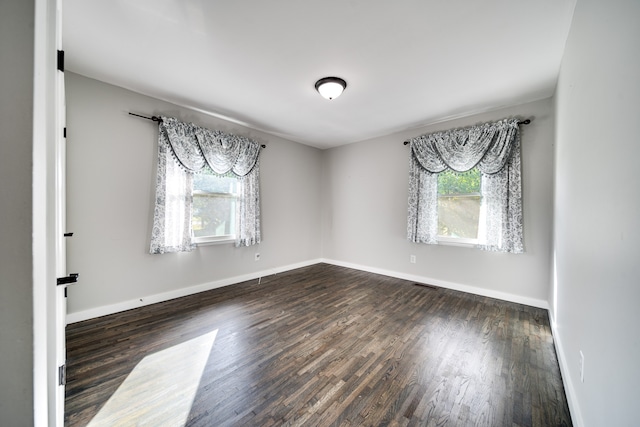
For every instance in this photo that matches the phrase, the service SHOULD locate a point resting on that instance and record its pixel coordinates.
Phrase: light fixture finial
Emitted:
(331, 87)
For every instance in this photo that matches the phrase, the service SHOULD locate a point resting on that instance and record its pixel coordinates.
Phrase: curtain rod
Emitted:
(158, 119)
(523, 122)
(152, 118)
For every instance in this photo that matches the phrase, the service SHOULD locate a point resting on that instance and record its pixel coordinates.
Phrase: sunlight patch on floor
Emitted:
(161, 388)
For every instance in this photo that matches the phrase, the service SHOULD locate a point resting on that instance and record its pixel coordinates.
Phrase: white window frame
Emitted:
(465, 241)
(458, 241)
(212, 240)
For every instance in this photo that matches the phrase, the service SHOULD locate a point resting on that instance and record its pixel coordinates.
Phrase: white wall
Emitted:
(16, 275)
(364, 220)
(346, 205)
(597, 209)
(110, 196)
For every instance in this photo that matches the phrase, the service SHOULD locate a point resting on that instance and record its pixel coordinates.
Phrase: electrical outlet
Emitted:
(412, 259)
(257, 256)
(581, 367)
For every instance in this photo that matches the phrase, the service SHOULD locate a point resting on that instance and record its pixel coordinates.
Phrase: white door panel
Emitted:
(60, 226)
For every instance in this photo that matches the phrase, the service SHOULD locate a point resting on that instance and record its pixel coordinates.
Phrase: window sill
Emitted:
(460, 242)
(209, 241)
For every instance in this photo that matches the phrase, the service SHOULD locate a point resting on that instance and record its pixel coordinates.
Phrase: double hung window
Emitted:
(459, 206)
(465, 187)
(215, 200)
(207, 188)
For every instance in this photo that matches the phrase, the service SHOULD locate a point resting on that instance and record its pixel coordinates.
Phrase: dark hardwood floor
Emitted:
(318, 346)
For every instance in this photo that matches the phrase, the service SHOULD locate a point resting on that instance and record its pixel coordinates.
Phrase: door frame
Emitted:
(44, 194)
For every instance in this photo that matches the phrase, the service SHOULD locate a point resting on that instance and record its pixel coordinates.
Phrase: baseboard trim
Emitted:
(92, 313)
(569, 390)
(445, 284)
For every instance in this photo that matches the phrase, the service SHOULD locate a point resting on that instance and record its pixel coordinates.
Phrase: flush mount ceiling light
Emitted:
(330, 87)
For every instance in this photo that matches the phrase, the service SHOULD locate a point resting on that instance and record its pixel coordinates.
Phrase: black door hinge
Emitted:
(72, 278)
(64, 132)
(62, 375)
(61, 60)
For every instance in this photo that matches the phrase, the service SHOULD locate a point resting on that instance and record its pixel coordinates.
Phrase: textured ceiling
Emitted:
(407, 63)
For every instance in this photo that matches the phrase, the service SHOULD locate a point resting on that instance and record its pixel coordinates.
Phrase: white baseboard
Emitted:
(569, 390)
(177, 293)
(92, 313)
(449, 285)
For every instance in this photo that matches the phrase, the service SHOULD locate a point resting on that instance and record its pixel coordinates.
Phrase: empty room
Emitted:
(288, 213)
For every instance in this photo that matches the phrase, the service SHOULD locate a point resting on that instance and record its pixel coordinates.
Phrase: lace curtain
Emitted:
(185, 149)
(495, 149)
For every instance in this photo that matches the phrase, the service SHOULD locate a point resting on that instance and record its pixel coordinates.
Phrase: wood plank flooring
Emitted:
(318, 346)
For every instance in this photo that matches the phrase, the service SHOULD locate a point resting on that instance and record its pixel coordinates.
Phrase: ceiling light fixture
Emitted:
(330, 87)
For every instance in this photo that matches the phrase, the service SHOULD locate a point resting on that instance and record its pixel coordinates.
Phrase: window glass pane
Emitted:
(213, 215)
(459, 202)
(214, 205)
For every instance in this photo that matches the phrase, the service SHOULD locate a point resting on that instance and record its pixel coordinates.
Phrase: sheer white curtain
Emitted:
(185, 149)
(494, 148)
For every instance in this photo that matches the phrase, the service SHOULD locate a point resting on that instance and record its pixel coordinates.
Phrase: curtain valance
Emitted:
(495, 149)
(195, 147)
(487, 146)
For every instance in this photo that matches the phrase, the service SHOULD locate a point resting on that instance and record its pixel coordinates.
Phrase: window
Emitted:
(227, 205)
(213, 216)
(459, 203)
(482, 206)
